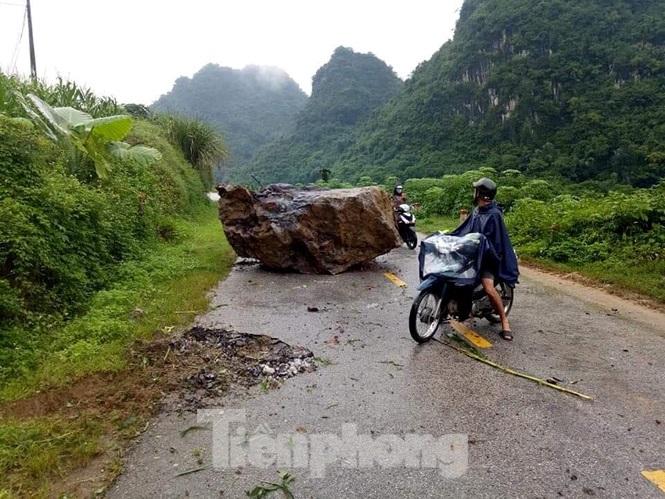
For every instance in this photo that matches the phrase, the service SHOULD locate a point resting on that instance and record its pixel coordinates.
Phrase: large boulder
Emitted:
(310, 231)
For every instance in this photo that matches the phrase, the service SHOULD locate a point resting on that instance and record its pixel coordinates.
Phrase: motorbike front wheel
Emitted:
(426, 315)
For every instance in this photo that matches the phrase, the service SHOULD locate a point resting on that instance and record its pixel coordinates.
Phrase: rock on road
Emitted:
(524, 440)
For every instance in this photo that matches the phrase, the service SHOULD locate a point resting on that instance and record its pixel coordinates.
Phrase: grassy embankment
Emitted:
(156, 293)
(107, 243)
(434, 223)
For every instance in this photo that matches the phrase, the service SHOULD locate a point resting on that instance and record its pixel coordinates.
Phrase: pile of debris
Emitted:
(215, 359)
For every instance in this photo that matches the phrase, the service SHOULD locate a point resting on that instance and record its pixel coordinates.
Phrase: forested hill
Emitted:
(250, 106)
(565, 87)
(345, 91)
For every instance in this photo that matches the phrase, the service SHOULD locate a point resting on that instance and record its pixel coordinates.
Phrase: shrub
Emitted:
(620, 227)
(199, 142)
(507, 196)
(537, 189)
(61, 238)
(415, 188)
(434, 201)
(455, 192)
(390, 182)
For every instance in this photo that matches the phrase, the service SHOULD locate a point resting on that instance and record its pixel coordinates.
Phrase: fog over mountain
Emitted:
(250, 106)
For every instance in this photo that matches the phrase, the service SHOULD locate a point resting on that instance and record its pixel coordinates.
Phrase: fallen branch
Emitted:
(193, 470)
(508, 370)
(192, 428)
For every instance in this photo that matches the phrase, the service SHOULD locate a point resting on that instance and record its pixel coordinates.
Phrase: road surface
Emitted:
(523, 440)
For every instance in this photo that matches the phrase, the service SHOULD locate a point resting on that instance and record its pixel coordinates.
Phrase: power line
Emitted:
(14, 58)
(12, 4)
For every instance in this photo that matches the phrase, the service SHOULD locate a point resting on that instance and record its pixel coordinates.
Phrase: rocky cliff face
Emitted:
(549, 87)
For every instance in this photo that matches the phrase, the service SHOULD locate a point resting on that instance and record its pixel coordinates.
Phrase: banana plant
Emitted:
(96, 138)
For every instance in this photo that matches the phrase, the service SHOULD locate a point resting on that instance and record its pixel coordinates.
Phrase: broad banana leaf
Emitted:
(142, 155)
(94, 137)
(113, 128)
(53, 119)
(73, 117)
(35, 116)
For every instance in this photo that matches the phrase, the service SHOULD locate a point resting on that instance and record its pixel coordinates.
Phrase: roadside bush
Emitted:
(365, 182)
(617, 227)
(442, 196)
(390, 182)
(434, 201)
(201, 145)
(61, 237)
(416, 188)
(537, 189)
(456, 191)
(507, 196)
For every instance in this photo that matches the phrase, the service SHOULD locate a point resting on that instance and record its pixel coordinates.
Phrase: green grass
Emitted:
(38, 448)
(150, 295)
(645, 278)
(433, 223)
(158, 293)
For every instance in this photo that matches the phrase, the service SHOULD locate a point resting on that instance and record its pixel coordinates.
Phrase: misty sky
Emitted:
(134, 50)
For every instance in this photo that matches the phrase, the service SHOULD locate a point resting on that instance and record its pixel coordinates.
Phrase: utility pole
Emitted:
(33, 63)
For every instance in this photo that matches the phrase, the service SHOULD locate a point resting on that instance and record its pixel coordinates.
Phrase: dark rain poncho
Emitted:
(499, 256)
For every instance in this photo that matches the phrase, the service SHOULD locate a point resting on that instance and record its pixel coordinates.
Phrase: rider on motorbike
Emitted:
(399, 197)
(500, 261)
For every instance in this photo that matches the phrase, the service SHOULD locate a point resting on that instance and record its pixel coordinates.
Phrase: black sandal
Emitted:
(506, 335)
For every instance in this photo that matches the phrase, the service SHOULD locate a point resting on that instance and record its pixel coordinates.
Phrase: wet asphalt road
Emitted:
(524, 440)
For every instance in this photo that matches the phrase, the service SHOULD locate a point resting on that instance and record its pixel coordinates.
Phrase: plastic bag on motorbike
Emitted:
(453, 257)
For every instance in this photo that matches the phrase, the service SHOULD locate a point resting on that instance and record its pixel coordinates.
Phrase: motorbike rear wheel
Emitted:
(507, 295)
(426, 315)
(411, 238)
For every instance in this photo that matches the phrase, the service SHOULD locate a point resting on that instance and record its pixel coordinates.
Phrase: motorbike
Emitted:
(406, 225)
(450, 286)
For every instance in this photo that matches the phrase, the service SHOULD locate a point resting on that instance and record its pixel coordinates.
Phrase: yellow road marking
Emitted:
(470, 335)
(657, 477)
(395, 280)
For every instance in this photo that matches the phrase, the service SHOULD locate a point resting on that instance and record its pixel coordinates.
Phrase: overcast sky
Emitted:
(135, 49)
